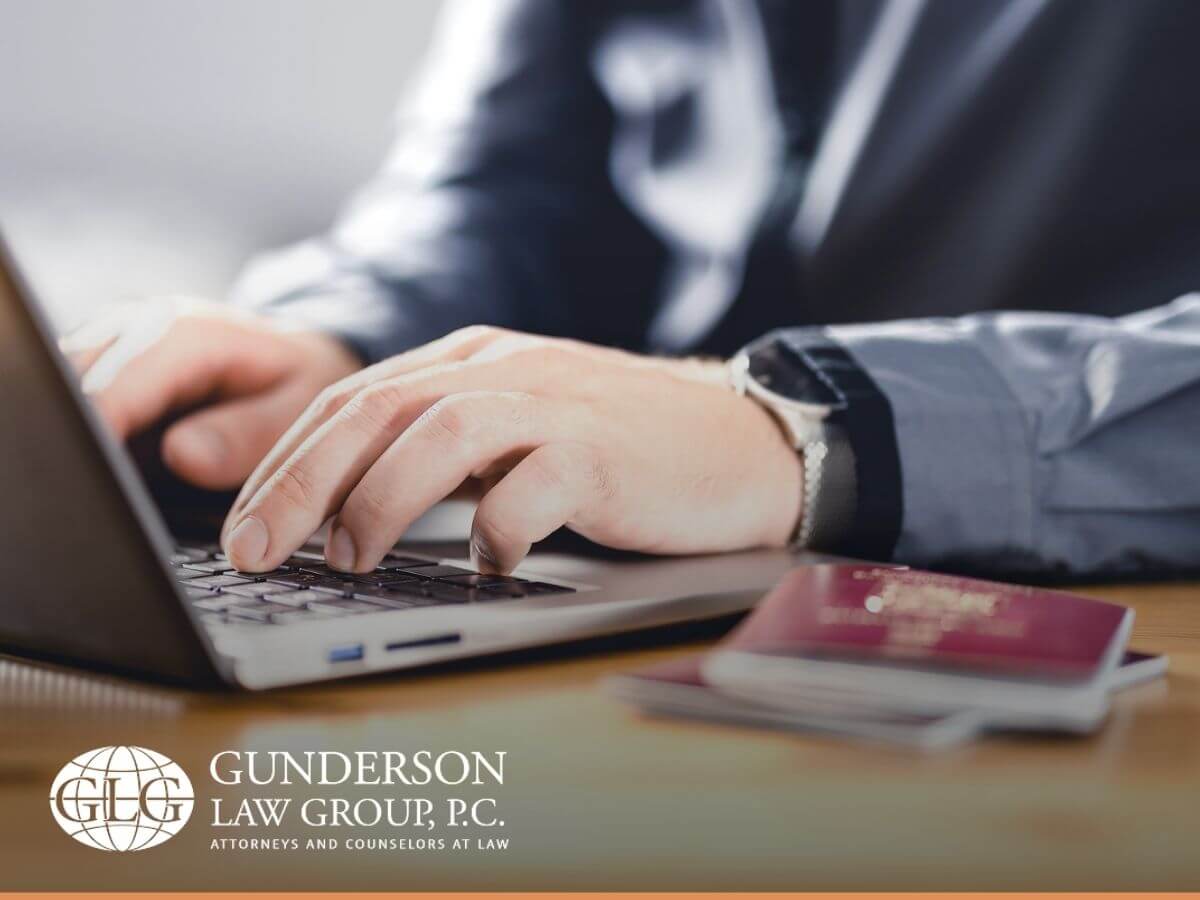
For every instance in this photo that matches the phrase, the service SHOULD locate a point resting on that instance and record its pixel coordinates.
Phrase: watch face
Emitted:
(783, 372)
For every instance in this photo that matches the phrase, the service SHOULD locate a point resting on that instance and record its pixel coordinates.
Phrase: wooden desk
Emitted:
(596, 797)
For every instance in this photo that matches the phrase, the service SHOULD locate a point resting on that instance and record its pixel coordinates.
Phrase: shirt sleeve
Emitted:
(1042, 443)
(494, 206)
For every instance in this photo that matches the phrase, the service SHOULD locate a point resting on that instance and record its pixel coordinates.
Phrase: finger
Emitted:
(161, 366)
(549, 488)
(310, 485)
(315, 482)
(310, 482)
(432, 458)
(139, 378)
(456, 346)
(218, 447)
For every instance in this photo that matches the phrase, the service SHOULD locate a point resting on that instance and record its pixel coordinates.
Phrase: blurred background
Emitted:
(151, 146)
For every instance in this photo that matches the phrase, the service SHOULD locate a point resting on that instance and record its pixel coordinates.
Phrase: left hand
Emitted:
(632, 452)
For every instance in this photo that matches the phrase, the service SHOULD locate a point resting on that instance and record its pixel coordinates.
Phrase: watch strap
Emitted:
(830, 489)
(864, 416)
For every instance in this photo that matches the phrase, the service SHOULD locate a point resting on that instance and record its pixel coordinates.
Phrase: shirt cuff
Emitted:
(965, 463)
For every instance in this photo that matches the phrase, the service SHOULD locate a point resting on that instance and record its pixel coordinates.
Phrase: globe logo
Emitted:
(121, 798)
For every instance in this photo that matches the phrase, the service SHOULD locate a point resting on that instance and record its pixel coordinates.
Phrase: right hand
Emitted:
(246, 376)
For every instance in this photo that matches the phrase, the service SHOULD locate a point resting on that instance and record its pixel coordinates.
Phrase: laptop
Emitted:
(91, 575)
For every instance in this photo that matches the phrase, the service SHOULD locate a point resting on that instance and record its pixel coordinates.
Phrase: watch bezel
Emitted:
(748, 381)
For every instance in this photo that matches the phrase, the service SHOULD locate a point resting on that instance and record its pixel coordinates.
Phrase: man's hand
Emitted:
(636, 453)
(247, 378)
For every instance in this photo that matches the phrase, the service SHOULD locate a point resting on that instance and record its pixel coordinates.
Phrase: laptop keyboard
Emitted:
(304, 588)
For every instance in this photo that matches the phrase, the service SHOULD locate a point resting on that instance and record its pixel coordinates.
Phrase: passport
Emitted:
(877, 639)
(898, 655)
(911, 617)
(677, 689)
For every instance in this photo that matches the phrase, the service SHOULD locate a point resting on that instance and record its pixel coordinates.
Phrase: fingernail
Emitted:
(482, 555)
(340, 550)
(247, 543)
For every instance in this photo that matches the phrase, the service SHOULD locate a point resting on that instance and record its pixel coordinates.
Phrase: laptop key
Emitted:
(384, 578)
(400, 561)
(329, 572)
(297, 598)
(437, 571)
(218, 581)
(500, 589)
(312, 580)
(225, 601)
(187, 575)
(257, 612)
(424, 593)
(382, 596)
(260, 576)
(257, 589)
(444, 593)
(212, 566)
(213, 602)
(478, 579)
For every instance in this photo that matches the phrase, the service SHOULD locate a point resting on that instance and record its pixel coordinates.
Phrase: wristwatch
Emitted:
(807, 407)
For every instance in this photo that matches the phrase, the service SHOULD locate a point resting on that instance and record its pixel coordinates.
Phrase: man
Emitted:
(680, 178)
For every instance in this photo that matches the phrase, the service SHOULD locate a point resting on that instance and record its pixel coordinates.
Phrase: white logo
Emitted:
(121, 798)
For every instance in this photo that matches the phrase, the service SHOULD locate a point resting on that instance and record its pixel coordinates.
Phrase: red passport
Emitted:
(877, 638)
(906, 616)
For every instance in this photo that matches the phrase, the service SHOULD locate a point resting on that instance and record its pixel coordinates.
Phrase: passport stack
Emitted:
(904, 656)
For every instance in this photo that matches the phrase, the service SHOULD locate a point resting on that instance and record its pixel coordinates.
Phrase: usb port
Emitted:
(348, 653)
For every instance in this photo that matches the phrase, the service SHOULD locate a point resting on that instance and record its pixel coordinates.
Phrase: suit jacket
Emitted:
(683, 175)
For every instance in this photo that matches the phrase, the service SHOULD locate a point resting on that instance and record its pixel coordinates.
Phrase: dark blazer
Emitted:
(601, 169)
(684, 176)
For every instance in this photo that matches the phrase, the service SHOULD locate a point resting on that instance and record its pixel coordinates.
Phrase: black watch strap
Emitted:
(864, 414)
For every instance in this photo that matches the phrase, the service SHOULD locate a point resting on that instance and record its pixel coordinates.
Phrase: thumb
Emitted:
(218, 447)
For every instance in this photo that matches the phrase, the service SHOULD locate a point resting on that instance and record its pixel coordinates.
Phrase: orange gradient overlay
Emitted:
(616, 895)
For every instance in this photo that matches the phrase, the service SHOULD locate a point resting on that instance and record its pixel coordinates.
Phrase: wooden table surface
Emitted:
(597, 797)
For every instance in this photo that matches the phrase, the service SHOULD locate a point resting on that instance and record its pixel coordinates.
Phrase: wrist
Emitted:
(779, 469)
(804, 408)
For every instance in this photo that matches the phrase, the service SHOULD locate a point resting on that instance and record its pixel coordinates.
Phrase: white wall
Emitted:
(149, 146)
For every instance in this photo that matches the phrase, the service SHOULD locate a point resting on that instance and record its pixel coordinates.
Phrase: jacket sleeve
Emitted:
(1043, 443)
(494, 206)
